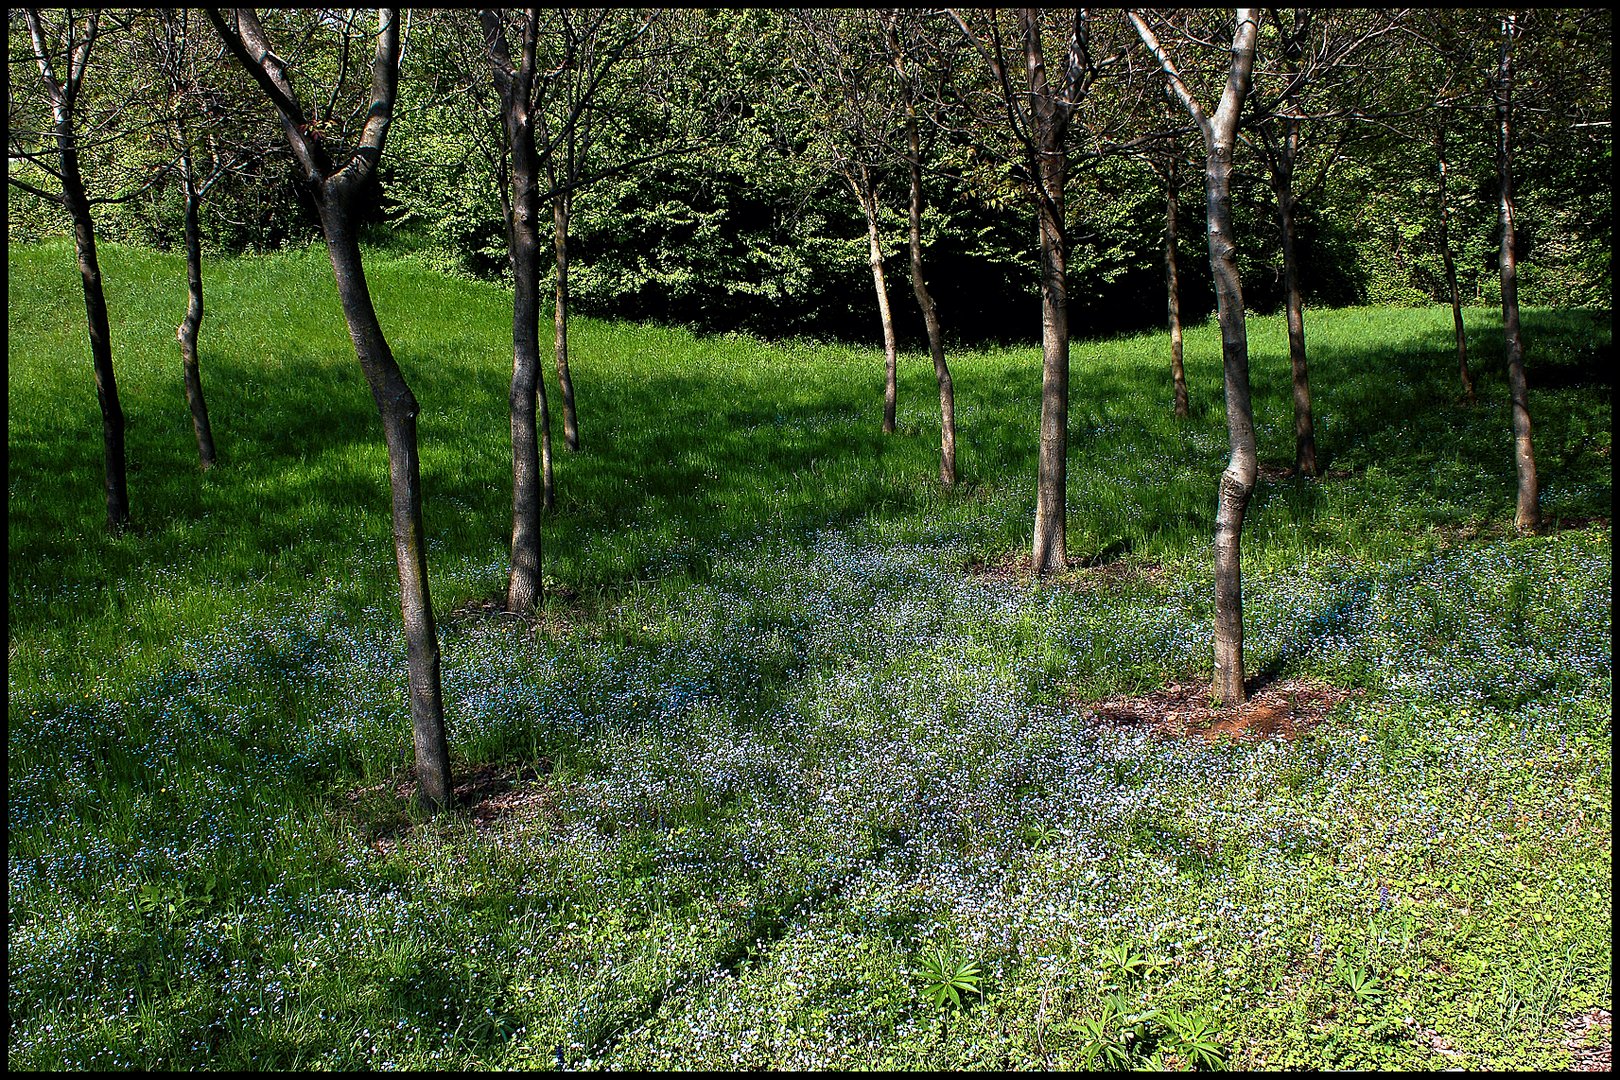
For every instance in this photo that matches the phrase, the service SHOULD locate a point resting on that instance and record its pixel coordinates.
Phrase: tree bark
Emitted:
(1172, 280)
(561, 206)
(1049, 551)
(530, 421)
(1527, 513)
(530, 474)
(397, 407)
(115, 479)
(930, 314)
(332, 190)
(1294, 304)
(1237, 480)
(188, 330)
(1451, 270)
(1049, 547)
(862, 187)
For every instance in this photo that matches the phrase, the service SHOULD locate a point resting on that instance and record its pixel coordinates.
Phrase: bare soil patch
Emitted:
(560, 610)
(1587, 1036)
(490, 607)
(485, 796)
(1271, 472)
(1284, 708)
(1453, 535)
(1014, 568)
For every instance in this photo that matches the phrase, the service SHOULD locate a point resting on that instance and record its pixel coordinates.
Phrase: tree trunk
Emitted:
(397, 407)
(1451, 270)
(1527, 514)
(1293, 302)
(1051, 484)
(95, 308)
(1237, 481)
(560, 207)
(1172, 280)
(530, 481)
(188, 329)
(548, 480)
(925, 301)
(868, 201)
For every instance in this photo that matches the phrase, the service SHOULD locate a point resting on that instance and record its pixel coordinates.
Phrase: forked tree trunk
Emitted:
(397, 407)
(1237, 480)
(1049, 550)
(930, 314)
(1451, 270)
(115, 481)
(560, 209)
(1527, 513)
(869, 208)
(188, 330)
(1172, 281)
(333, 192)
(1294, 304)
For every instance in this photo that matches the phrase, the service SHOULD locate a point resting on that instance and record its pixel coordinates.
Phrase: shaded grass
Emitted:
(783, 737)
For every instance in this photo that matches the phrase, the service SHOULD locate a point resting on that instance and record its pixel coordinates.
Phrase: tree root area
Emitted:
(1588, 1036)
(1279, 709)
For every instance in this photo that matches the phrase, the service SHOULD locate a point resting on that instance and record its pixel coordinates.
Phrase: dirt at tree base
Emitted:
(484, 795)
(1282, 708)
(561, 610)
(1587, 1035)
(1014, 567)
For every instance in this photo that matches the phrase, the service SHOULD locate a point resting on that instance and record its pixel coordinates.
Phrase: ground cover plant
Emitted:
(795, 768)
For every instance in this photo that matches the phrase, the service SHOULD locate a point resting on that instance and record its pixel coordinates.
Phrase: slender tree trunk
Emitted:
(397, 407)
(548, 479)
(1237, 481)
(1172, 280)
(868, 201)
(530, 482)
(1049, 550)
(560, 208)
(188, 329)
(1293, 302)
(1527, 514)
(95, 308)
(930, 314)
(1451, 269)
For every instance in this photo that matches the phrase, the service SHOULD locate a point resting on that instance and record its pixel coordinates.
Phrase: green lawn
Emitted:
(781, 764)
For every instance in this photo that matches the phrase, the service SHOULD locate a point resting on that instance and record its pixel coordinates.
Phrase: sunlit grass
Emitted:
(792, 747)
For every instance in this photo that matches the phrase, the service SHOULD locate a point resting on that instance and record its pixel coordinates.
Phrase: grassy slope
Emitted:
(790, 739)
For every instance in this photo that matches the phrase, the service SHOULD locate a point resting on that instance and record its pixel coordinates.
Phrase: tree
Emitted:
(1164, 157)
(62, 44)
(580, 51)
(1527, 512)
(841, 72)
(197, 114)
(906, 40)
(1443, 219)
(548, 121)
(334, 180)
(513, 83)
(1038, 119)
(1311, 76)
(1237, 480)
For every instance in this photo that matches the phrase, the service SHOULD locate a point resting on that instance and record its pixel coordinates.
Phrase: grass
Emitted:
(792, 757)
